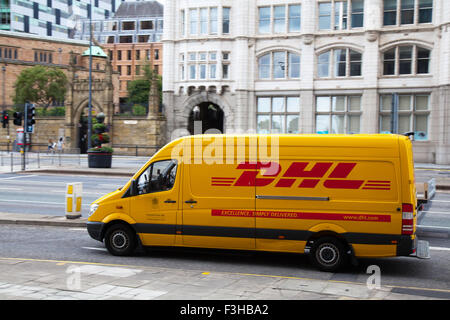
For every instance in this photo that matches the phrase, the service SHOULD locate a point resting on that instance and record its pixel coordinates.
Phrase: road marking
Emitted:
(12, 189)
(41, 202)
(446, 201)
(436, 212)
(17, 177)
(439, 248)
(92, 248)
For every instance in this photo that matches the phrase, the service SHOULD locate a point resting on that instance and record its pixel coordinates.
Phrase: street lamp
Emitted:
(90, 79)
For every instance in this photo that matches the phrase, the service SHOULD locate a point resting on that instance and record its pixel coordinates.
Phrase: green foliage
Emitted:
(51, 112)
(40, 85)
(101, 149)
(100, 137)
(139, 110)
(139, 89)
(99, 127)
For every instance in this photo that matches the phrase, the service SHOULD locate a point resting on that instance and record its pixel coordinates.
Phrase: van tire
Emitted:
(120, 240)
(328, 254)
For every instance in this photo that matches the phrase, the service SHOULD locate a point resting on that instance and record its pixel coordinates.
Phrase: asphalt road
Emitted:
(46, 194)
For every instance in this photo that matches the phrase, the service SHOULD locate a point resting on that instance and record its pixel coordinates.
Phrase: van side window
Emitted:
(159, 176)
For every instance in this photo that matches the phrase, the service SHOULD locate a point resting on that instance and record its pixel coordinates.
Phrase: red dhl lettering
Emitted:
(259, 174)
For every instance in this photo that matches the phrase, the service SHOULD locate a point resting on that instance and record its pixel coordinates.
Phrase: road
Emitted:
(45, 194)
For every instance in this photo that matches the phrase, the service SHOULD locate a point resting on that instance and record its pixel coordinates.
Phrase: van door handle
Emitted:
(190, 201)
(170, 201)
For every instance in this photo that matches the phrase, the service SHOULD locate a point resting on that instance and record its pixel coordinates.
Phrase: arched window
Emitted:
(279, 65)
(406, 59)
(339, 62)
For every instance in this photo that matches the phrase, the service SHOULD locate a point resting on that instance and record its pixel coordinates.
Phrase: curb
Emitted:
(41, 222)
(116, 174)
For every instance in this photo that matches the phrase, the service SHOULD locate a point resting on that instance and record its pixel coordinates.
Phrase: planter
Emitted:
(99, 159)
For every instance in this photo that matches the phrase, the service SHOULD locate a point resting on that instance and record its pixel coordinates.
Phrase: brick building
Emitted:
(20, 51)
(132, 38)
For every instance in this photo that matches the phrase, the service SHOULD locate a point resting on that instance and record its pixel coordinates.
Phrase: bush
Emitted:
(139, 110)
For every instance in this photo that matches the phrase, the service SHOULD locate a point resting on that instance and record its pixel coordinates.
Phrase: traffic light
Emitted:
(17, 118)
(30, 112)
(5, 118)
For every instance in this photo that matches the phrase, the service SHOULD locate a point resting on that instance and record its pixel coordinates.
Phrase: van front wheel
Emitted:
(120, 240)
(328, 254)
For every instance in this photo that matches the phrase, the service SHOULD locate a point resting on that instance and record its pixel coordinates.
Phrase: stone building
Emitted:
(325, 66)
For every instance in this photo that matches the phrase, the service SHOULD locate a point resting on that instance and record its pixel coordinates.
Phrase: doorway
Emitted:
(209, 115)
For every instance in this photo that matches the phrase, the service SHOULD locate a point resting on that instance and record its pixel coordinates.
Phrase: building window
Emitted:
(183, 22)
(295, 18)
(338, 114)
(11, 53)
(146, 25)
(406, 60)
(279, 65)
(264, 19)
(347, 63)
(402, 12)
(203, 21)
(193, 20)
(129, 54)
(119, 55)
(279, 19)
(413, 112)
(156, 54)
(128, 25)
(341, 14)
(39, 56)
(277, 114)
(213, 20)
(138, 54)
(226, 20)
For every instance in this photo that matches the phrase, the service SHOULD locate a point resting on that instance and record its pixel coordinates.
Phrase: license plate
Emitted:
(423, 249)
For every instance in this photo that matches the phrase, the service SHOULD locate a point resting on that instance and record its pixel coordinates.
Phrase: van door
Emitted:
(217, 213)
(155, 205)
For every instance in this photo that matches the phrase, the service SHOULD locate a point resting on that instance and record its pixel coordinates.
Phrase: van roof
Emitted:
(384, 141)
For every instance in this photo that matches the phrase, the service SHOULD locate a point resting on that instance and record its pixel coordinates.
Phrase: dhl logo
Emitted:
(269, 172)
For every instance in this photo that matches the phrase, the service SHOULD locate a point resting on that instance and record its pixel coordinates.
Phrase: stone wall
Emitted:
(127, 134)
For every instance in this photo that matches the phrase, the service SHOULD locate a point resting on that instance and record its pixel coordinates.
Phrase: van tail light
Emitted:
(407, 219)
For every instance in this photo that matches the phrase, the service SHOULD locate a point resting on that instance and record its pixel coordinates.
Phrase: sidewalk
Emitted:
(73, 280)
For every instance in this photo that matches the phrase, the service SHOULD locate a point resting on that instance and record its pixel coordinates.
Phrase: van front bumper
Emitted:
(95, 230)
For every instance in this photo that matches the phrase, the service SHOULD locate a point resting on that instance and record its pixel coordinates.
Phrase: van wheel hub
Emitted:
(328, 254)
(119, 240)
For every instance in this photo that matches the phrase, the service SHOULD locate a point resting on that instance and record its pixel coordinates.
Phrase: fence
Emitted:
(14, 161)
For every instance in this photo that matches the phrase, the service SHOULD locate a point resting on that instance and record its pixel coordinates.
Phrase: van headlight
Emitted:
(93, 208)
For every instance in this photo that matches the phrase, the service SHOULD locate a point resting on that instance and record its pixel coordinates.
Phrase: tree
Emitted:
(139, 89)
(40, 85)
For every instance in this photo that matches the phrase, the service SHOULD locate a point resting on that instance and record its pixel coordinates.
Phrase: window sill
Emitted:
(406, 76)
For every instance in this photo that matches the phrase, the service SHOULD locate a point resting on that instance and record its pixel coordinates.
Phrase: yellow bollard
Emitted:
(74, 200)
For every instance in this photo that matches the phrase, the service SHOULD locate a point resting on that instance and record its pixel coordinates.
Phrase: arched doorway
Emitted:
(82, 136)
(205, 116)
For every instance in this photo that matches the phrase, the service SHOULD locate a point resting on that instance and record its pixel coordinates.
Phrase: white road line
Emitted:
(12, 189)
(439, 248)
(92, 248)
(17, 177)
(40, 202)
(446, 201)
(436, 212)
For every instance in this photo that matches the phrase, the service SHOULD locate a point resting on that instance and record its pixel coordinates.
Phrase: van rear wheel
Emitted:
(328, 254)
(120, 240)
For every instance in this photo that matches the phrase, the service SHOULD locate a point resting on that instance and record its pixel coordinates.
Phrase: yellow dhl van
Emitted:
(333, 197)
